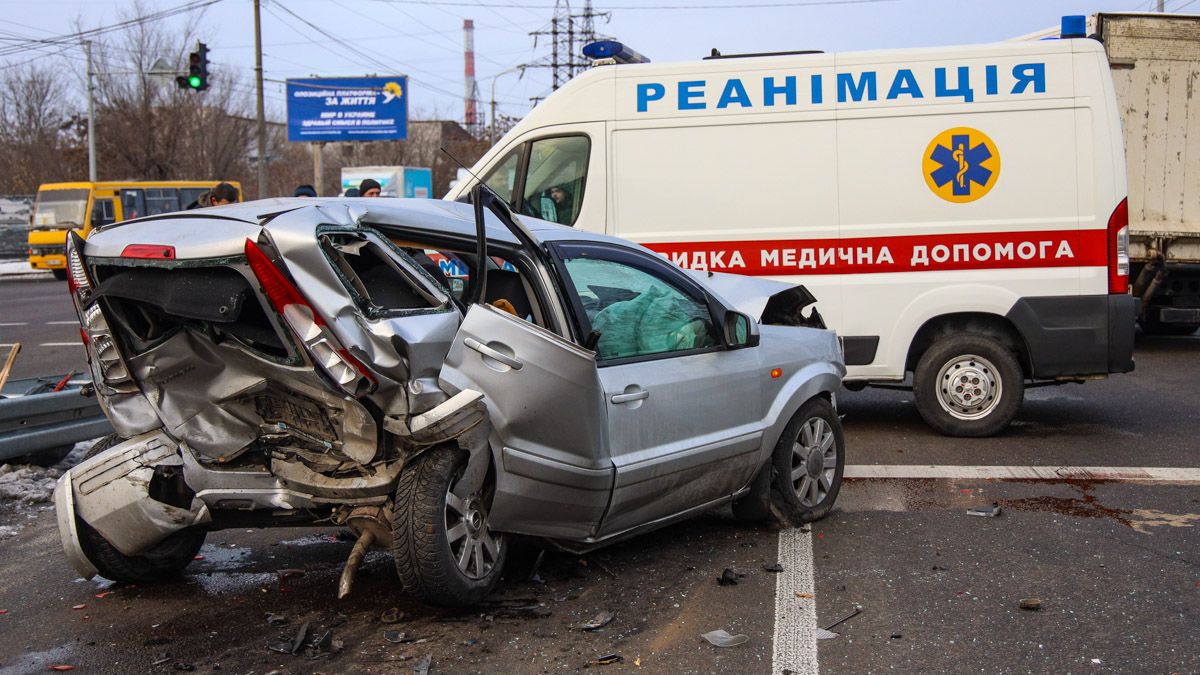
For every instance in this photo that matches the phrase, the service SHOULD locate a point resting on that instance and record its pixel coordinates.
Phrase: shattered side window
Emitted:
(376, 280)
(637, 313)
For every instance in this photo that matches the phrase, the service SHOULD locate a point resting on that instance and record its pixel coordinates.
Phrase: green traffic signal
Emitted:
(194, 82)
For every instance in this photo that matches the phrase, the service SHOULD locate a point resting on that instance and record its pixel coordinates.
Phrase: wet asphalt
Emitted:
(1115, 566)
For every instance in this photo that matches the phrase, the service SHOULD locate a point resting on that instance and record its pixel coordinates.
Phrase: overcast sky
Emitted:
(424, 38)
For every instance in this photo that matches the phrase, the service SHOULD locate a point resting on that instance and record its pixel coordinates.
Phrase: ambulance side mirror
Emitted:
(740, 330)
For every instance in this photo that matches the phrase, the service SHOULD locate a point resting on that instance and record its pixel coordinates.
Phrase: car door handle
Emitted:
(633, 396)
(492, 353)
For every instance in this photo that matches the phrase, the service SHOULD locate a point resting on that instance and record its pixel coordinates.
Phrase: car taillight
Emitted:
(149, 251)
(77, 276)
(1118, 249)
(306, 323)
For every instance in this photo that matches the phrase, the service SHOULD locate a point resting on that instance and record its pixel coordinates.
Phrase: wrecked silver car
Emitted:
(440, 378)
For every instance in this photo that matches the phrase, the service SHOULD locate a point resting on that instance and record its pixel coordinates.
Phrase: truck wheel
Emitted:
(968, 385)
(808, 462)
(164, 561)
(61, 275)
(444, 549)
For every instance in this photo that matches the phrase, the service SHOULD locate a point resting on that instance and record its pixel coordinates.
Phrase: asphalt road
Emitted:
(36, 312)
(1115, 565)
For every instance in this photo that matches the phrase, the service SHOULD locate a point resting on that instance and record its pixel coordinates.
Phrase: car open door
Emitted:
(549, 428)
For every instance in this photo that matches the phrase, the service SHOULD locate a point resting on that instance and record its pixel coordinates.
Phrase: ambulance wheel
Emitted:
(968, 385)
(163, 561)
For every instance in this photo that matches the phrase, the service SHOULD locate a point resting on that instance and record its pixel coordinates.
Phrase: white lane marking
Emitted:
(62, 323)
(61, 344)
(1130, 473)
(15, 323)
(795, 647)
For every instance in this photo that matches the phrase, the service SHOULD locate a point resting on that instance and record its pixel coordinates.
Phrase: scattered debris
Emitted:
(729, 577)
(79, 607)
(276, 619)
(284, 575)
(597, 622)
(823, 634)
(1096, 662)
(605, 660)
(722, 638)
(394, 636)
(3, 611)
(197, 557)
(1031, 604)
(422, 667)
(104, 594)
(301, 636)
(393, 615)
(313, 646)
(61, 667)
(804, 595)
(853, 613)
(985, 511)
(896, 636)
(184, 667)
(775, 567)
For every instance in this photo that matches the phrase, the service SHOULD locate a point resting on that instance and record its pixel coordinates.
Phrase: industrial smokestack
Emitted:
(470, 90)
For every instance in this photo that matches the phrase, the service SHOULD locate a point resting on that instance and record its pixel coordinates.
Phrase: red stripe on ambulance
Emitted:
(875, 255)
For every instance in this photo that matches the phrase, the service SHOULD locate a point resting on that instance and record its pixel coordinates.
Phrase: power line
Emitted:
(752, 5)
(74, 38)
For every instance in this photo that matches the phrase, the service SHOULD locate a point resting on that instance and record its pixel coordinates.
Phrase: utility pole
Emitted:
(91, 94)
(1162, 6)
(492, 131)
(318, 166)
(262, 118)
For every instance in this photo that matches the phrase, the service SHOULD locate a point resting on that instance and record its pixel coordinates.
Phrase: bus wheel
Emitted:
(61, 275)
(968, 384)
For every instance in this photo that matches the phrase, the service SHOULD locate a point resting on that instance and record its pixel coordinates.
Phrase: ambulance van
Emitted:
(959, 213)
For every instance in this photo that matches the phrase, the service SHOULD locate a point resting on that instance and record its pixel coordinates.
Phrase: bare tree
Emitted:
(36, 130)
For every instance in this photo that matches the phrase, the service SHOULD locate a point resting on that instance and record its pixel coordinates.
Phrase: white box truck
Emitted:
(958, 212)
(1155, 62)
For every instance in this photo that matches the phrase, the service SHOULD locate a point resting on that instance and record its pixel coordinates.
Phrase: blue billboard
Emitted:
(347, 109)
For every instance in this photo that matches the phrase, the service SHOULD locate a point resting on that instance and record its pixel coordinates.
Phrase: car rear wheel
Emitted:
(968, 385)
(808, 463)
(165, 560)
(444, 549)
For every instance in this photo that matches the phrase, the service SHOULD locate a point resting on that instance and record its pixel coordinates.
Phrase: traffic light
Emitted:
(197, 74)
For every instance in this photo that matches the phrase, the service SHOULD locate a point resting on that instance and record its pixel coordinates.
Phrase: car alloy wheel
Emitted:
(472, 545)
(814, 461)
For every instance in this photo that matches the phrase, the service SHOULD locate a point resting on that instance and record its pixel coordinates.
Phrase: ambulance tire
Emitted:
(968, 385)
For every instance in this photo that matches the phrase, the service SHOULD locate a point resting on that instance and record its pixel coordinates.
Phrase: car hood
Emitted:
(750, 294)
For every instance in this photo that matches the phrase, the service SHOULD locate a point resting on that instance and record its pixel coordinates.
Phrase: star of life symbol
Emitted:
(961, 164)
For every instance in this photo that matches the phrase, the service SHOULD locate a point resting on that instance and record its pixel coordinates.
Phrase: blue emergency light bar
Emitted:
(611, 49)
(1074, 26)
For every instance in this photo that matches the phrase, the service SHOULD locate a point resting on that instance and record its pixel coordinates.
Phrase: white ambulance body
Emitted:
(958, 212)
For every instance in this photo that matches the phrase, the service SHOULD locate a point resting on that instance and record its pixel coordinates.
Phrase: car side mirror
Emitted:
(740, 330)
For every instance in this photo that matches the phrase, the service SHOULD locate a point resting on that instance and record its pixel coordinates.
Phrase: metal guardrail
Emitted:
(36, 423)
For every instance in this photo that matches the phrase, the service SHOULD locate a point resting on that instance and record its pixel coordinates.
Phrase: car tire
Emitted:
(993, 378)
(439, 541)
(60, 274)
(165, 560)
(807, 464)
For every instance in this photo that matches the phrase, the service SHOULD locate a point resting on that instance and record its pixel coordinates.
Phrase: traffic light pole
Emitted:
(91, 129)
(262, 119)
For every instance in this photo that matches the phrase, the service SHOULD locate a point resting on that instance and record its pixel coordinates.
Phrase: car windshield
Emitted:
(60, 207)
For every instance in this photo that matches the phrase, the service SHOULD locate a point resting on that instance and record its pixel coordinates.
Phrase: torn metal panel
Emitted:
(112, 493)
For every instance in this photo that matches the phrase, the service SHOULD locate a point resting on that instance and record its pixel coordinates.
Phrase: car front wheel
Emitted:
(808, 463)
(444, 548)
(968, 385)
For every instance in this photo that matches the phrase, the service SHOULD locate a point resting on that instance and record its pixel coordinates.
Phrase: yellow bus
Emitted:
(61, 207)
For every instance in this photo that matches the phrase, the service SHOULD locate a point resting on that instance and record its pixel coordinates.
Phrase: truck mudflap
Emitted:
(133, 494)
(1077, 335)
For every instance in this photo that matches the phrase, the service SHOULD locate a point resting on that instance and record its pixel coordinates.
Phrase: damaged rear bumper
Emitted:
(132, 494)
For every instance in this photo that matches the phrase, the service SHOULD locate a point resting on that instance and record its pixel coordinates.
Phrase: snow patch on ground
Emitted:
(30, 484)
(12, 267)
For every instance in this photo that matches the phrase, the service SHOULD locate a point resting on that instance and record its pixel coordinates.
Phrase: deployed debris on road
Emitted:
(985, 511)
(1030, 604)
(597, 622)
(722, 638)
(729, 577)
(607, 659)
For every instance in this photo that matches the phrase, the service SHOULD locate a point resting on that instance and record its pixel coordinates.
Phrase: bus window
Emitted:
(133, 204)
(189, 196)
(555, 178)
(60, 208)
(103, 212)
(161, 200)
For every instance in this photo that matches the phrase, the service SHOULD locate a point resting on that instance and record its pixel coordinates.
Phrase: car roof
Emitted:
(435, 216)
